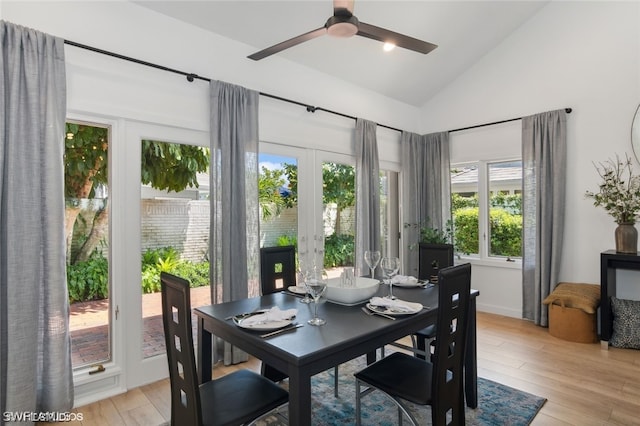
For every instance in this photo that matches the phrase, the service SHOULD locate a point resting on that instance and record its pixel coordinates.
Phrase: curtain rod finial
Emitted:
(568, 110)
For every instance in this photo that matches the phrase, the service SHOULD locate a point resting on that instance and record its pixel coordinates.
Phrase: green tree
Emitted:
(172, 166)
(270, 199)
(86, 159)
(169, 166)
(338, 186)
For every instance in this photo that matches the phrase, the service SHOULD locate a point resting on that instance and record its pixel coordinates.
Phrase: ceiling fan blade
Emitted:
(400, 40)
(287, 44)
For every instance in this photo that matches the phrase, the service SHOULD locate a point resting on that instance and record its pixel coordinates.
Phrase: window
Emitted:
(487, 208)
(87, 229)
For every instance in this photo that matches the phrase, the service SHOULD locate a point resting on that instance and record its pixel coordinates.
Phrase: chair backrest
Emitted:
(430, 254)
(277, 268)
(176, 319)
(451, 335)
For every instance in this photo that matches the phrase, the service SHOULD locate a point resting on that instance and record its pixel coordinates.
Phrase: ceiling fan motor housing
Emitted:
(342, 26)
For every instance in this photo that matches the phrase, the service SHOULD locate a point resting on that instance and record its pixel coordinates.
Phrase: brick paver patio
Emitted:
(89, 336)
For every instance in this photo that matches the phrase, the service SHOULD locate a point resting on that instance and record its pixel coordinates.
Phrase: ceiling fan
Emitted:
(344, 24)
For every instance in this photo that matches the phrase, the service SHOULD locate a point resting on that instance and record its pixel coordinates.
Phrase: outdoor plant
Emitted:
(87, 280)
(196, 273)
(286, 240)
(338, 250)
(505, 232)
(466, 234)
(619, 191)
(167, 259)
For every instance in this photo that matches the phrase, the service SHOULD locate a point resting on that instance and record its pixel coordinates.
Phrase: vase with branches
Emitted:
(619, 194)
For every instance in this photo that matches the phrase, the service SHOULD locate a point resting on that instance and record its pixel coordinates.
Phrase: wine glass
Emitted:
(316, 285)
(303, 277)
(372, 257)
(390, 267)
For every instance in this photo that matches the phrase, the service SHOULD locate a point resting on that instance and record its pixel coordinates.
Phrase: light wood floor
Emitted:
(584, 385)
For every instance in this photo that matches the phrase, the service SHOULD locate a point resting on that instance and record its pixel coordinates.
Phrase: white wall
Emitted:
(583, 55)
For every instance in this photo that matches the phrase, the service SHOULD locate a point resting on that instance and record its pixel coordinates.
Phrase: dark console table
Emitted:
(611, 260)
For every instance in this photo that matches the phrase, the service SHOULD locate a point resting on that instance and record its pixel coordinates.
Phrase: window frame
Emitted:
(483, 257)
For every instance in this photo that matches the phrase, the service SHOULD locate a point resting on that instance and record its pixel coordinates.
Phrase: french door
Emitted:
(310, 220)
(166, 224)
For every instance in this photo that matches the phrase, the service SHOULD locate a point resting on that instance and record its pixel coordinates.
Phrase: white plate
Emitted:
(388, 311)
(297, 289)
(345, 303)
(271, 325)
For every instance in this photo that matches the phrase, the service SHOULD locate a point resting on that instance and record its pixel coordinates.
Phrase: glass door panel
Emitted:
(163, 226)
(278, 197)
(316, 195)
(338, 216)
(87, 237)
(174, 226)
(389, 213)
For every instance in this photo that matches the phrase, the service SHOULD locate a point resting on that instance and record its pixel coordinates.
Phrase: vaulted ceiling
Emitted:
(464, 31)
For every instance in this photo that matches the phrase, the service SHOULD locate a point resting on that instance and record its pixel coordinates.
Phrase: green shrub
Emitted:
(466, 230)
(338, 250)
(505, 230)
(167, 259)
(287, 240)
(154, 257)
(150, 279)
(506, 233)
(196, 273)
(88, 280)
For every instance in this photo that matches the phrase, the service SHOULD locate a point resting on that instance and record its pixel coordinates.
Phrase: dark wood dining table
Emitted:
(309, 350)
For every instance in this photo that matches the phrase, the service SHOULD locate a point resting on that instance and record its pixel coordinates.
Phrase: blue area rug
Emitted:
(497, 404)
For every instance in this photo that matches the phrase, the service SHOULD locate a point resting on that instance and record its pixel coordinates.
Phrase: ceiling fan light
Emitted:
(388, 47)
(342, 29)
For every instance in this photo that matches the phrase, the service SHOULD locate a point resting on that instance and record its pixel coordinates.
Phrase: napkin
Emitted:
(404, 279)
(272, 315)
(396, 305)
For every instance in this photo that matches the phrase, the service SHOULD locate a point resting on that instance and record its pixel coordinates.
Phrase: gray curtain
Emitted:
(426, 188)
(234, 197)
(367, 192)
(544, 157)
(35, 347)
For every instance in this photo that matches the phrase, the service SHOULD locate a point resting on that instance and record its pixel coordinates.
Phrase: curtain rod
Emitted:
(191, 77)
(310, 108)
(567, 110)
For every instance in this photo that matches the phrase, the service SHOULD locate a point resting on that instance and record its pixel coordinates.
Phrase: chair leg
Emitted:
(358, 420)
(335, 381)
(399, 416)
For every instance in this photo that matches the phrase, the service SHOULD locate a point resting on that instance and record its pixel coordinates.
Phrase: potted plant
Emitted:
(435, 248)
(619, 195)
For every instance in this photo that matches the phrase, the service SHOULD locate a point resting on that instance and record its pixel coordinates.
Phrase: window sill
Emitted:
(491, 262)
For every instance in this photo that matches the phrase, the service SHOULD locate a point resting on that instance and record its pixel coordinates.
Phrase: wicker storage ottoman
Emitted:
(572, 312)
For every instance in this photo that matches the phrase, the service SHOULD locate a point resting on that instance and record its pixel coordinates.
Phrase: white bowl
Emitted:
(363, 290)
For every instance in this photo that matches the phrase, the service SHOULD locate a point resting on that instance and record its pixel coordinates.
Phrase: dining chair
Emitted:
(443, 255)
(277, 272)
(277, 268)
(234, 399)
(437, 382)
